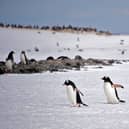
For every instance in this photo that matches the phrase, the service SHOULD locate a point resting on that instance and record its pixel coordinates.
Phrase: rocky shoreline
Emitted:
(61, 64)
(57, 28)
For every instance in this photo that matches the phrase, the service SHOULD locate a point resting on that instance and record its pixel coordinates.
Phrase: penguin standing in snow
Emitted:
(10, 61)
(23, 58)
(111, 91)
(73, 94)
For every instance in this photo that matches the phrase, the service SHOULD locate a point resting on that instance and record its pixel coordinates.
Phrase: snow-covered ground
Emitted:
(58, 44)
(39, 101)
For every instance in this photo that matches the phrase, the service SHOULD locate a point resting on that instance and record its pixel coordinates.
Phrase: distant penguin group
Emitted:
(10, 60)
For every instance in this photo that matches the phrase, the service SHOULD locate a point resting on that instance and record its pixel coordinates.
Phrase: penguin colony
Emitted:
(10, 60)
(73, 93)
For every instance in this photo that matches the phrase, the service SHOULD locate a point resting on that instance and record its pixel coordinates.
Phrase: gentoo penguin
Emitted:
(73, 93)
(23, 58)
(111, 91)
(10, 61)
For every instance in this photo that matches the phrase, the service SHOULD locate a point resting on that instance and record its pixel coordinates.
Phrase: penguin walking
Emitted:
(111, 91)
(23, 58)
(10, 61)
(73, 93)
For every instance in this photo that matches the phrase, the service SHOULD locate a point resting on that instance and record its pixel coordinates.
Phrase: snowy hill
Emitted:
(56, 44)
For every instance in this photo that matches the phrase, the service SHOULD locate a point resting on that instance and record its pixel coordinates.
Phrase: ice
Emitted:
(39, 101)
(90, 45)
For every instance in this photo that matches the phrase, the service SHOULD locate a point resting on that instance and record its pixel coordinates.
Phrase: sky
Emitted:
(107, 15)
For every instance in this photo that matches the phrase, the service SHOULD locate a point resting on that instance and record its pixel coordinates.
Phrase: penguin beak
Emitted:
(102, 78)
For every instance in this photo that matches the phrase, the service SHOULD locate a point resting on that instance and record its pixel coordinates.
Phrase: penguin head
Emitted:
(66, 83)
(69, 83)
(104, 78)
(12, 52)
(23, 52)
(107, 79)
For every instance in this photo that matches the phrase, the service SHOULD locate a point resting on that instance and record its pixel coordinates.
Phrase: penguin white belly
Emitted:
(71, 95)
(9, 64)
(23, 60)
(110, 94)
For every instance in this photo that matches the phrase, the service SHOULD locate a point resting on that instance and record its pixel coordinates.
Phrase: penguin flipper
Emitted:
(81, 93)
(117, 86)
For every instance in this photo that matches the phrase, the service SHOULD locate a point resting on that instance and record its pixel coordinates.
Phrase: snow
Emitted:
(39, 101)
(58, 44)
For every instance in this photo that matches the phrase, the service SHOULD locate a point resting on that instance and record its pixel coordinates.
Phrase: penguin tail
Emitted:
(84, 104)
(122, 101)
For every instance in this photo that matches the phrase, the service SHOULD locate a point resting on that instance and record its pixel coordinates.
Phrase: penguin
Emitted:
(111, 91)
(10, 61)
(73, 93)
(23, 58)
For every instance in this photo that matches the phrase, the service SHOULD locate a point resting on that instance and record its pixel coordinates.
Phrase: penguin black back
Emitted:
(10, 56)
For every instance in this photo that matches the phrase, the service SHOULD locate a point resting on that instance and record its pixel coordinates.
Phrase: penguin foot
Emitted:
(78, 105)
(73, 105)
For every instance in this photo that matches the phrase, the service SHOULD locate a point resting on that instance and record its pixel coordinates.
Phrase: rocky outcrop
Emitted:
(60, 64)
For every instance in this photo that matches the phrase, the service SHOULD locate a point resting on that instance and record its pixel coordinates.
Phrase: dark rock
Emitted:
(32, 61)
(91, 61)
(2, 67)
(50, 58)
(77, 57)
(2, 71)
(63, 58)
(111, 61)
(2, 63)
(60, 64)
